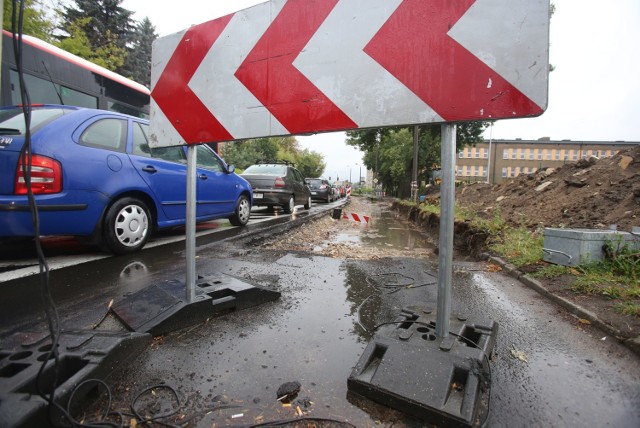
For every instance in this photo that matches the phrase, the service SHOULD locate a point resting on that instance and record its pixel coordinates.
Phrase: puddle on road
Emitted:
(383, 233)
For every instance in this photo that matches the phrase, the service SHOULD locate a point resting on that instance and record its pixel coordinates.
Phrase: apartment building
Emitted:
(502, 159)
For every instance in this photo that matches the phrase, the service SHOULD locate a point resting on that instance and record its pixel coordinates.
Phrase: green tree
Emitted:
(36, 19)
(138, 61)
(242, 154)
(388, 152)
(109, 55)
(107, 26)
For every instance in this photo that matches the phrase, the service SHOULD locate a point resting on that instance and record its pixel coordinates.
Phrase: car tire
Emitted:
(127, 226)
(242, 212)
(307, 206)
(291, 204)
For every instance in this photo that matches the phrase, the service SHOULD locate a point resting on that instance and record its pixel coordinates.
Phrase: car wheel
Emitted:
(308, 204)
(288, 209)
(126, 226)
(242, 213)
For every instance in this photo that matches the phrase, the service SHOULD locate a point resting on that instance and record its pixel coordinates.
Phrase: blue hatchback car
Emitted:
(94, 176)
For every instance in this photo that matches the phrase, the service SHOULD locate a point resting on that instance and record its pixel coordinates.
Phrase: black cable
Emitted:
(17, 18)
(292, 421)
(157, 417)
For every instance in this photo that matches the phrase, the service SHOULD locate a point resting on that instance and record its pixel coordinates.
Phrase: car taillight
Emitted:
(279, 183)
(46, 176)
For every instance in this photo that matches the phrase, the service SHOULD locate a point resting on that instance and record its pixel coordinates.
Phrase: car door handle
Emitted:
(203, 176)
(150, 169)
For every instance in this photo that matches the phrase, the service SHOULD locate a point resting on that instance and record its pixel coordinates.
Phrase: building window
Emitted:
(460, 172)
(531, 154)
(486, 153)
(505, 154)
(522, 154)
(574, 155)
(484, 172)
(539, 154)
(504, 172)
(556, 154)
(548, 153)
(514, 153)
(461, 154)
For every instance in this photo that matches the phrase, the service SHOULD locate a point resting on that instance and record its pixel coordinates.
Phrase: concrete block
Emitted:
(574, 247)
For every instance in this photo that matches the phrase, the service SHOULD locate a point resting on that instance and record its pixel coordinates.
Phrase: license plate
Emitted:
(314, 193)
(258, 196)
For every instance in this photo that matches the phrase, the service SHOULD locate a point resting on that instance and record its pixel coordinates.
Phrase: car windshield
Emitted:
(266, 169)
(12, 120)
(314, 182)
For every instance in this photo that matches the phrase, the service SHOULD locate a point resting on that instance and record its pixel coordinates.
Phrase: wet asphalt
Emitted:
(228, 369)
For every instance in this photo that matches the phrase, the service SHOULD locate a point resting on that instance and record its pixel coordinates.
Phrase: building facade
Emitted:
(499, 160)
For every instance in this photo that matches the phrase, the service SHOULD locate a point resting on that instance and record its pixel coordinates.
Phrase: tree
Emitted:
(107, 26)
(109, 56)
(388, 152)
(138, 62)
(36, 21)
(242, 154)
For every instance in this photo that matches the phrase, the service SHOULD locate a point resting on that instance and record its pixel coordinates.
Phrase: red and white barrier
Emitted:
(356, 217)
(349, 192)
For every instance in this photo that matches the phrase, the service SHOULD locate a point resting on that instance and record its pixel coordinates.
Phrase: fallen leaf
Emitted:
(519, 355)
(584, 321)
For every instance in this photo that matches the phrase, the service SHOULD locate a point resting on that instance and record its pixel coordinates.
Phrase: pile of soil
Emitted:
(590, 194)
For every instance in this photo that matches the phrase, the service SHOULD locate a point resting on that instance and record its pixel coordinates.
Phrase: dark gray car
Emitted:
(321, 189)
(278, 184)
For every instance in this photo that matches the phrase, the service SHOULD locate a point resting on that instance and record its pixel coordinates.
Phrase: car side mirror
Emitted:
(231, 169)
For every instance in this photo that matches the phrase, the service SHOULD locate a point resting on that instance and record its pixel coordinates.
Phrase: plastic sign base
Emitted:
(444, 381)
(163, 308)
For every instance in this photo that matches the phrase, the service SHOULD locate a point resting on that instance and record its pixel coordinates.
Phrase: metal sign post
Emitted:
(445, 247)
(190, 253)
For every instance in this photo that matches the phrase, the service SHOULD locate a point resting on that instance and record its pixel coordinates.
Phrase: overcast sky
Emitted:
(594, 92)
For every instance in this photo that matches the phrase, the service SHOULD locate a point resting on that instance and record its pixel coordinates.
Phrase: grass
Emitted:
(616, 278)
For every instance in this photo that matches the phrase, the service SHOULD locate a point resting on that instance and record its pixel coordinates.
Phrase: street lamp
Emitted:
(358, 179)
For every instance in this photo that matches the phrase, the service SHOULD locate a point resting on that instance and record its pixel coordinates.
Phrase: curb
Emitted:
(633, 343)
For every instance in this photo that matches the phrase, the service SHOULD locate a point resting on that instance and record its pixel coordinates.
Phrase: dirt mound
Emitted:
(591, 193)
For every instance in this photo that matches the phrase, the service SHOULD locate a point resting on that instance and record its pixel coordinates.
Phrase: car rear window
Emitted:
(12, 120)
(267, 169)
(314, 182)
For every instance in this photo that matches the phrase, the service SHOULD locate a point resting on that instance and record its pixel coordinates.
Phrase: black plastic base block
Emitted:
(444, 381)
(163, 308)
(82, 355)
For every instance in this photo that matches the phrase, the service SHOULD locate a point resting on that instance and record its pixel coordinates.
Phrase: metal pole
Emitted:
(489, 156)
(414, 174)
(445, 254)
(191, 223)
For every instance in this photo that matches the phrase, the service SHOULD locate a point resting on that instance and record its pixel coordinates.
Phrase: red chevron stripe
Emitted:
(268, 71)
(188, 115)
(413, 45)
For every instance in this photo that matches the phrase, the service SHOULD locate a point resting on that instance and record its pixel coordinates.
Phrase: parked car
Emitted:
(278, 184)
(95, 176)
(320, 189)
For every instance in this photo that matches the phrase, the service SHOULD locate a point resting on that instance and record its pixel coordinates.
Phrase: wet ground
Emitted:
(548, 369)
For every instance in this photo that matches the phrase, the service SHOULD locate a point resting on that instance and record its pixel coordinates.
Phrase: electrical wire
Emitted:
(17, 19)
(307, 419)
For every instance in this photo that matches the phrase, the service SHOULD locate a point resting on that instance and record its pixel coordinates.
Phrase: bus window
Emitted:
(42, 91)
(121, 108)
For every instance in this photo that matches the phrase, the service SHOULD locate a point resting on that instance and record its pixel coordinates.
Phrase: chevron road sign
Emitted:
(306, 66)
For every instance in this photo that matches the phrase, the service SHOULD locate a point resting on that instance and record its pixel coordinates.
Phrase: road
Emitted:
(547, 368)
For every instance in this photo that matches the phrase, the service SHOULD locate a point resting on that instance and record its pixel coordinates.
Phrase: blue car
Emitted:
(94, 176)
